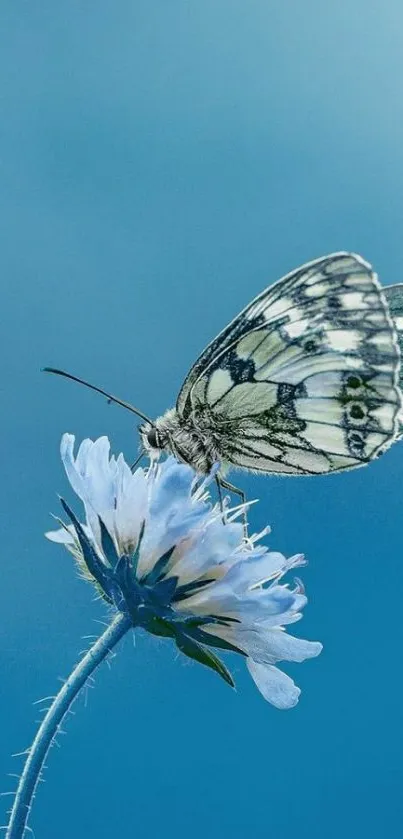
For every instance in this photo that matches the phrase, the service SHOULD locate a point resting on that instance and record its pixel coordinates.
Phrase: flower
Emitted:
(158, 550)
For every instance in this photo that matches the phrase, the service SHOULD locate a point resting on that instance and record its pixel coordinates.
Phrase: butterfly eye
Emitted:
(153, 438)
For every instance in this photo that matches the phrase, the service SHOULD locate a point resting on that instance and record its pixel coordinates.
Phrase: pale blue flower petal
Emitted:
(254, 570)
(99, 478)
(174, 514)
(92, 480)
(74, 475)
(174, 486)
(64, 536)
(276, 687)
(299, 601)
(209, 547)
(67, 536)
(82, 454)
(220, 598)
(290, 616)
(268, 645)
(130, 505)
(286, 647)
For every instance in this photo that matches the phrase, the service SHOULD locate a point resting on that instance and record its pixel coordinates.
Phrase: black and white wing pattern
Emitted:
(305, 380)
(394, 299)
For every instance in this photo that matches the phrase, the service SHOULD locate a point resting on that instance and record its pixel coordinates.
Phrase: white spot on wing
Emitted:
(295, 330)
(355, 300)
(248, 399)
(329, 438)
(278, 307)
(307, 461)
(317, 290)
(381, 340)
(344, 340)
(385, 415)
(322, 410)
(327, 384)
(220, 382)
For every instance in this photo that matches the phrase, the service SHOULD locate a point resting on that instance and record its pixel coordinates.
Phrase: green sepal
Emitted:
(62, 523)
(158, 570)
(128, 586)
(161, 627)
(134, 559)
(90, 556)
(212, 640)
(164, 591)
(190, 588)
(108, 546)
(195, 650)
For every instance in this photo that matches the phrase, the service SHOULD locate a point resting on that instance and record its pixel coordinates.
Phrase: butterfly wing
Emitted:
(394, 299)
(304, 380)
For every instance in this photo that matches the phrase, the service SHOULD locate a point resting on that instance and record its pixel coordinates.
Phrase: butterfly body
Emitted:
(190, 440)
(304, 381)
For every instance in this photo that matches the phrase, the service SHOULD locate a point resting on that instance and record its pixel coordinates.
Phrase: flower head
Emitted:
(159, 551)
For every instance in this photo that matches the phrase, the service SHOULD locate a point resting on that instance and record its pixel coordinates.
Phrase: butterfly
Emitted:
(394, 299)
(304, 381)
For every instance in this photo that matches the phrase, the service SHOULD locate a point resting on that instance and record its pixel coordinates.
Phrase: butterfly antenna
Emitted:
(108, 396)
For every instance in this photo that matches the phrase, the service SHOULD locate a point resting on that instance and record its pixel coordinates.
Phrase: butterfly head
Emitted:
(154, 439)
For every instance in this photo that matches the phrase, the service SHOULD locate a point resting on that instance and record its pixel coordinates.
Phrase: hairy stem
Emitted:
(53, 719)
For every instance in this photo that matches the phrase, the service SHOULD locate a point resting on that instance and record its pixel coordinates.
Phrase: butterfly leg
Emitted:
(133, 466)
(223, 484)
(220, 497)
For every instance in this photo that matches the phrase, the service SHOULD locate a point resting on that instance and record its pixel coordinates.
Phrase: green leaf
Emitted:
(194, 650)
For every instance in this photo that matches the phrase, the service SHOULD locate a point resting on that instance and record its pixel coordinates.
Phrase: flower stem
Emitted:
(54, 717)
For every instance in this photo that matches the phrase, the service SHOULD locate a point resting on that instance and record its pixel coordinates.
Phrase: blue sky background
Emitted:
(161, 163)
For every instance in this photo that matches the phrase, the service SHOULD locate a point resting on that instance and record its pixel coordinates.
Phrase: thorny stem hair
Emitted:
(51, 724)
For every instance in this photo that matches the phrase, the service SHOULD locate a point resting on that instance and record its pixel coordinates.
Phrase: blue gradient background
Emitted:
(160, 164)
